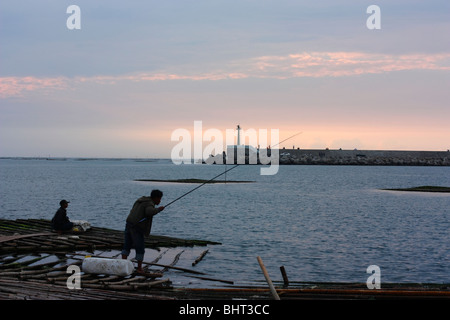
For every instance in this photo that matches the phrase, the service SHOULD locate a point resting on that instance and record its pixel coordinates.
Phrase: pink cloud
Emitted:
(140, 77)
(337, 64)
(305, 64)
(16, 86)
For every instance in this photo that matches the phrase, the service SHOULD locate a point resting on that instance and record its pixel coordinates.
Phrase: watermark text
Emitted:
(223, 149)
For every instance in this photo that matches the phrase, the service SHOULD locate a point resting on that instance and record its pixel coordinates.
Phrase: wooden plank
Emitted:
(202, 255)
(266, 275)
(172, 267)
(22, 236)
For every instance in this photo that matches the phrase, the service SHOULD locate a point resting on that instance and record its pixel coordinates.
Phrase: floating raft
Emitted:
(31, 280)
(323, 291)
(31, 235)
(34, 264)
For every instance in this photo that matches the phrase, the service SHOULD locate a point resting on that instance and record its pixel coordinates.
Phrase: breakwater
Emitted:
(364, 157)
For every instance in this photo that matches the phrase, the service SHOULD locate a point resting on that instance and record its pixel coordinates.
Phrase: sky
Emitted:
(136, 71)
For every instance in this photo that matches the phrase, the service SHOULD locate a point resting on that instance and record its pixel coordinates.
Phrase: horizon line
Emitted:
(168, 158)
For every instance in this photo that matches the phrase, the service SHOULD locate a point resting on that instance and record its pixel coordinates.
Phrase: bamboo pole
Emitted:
(266, 275)
(200, 257)
(172, 267)
(285, 278)
(22, 236)
(211, 279)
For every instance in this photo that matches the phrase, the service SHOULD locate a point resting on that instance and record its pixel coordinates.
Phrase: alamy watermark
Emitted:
(374, 280)
(223, 149)
(73, 22)
(374, 20)
(74, 280)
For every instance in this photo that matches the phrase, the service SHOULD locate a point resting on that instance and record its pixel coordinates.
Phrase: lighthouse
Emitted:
(238, 135)
(241, 154)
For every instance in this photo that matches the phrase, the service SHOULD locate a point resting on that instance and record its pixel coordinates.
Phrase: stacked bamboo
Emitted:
(34, 263)
(33, 235)
(19, 290)
(20, 273)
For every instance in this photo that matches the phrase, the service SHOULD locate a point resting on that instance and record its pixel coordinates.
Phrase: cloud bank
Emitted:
(296, 65)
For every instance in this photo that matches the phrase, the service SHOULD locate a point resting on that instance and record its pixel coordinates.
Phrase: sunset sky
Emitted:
(138, 70)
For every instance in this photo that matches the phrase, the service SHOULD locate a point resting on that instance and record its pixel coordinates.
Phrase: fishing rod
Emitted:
(201, 185)
(288, 138)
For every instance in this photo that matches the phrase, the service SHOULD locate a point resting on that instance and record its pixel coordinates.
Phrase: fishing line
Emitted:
(201, 185)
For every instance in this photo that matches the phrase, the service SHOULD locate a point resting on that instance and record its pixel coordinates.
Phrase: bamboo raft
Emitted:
(34, 263)
(30, 235)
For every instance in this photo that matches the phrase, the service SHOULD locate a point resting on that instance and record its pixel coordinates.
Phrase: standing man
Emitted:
(60, 221)
(139, 224)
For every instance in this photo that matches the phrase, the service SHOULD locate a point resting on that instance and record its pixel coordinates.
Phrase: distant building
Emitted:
(238, 154)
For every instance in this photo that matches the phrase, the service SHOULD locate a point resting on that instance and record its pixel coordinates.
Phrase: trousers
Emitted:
(134, 238)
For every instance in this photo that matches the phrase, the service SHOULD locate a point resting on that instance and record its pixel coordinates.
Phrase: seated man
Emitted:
(60, 221)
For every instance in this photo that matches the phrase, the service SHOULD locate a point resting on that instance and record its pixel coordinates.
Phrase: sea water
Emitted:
(322, 223)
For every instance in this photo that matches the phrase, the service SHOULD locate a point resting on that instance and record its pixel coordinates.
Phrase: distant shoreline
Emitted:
(423, 189)
(297, 156)
(364, 157)
(193, 181)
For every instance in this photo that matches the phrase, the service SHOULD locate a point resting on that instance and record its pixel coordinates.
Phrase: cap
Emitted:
(63, 202)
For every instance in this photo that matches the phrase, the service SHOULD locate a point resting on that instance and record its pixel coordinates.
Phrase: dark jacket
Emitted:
(60, 220)
(141, 215)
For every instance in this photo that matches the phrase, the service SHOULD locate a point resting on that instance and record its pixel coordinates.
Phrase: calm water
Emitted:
(322, 223)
